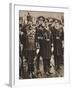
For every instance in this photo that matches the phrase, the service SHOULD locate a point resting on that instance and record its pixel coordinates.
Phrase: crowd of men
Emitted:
(39, 43)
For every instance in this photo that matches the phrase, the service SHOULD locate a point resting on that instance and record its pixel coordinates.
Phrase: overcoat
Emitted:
(43, 37)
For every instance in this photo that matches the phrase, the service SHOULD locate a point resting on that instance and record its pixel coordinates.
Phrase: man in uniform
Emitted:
(29, 47)
(43, 38)
(58, 37)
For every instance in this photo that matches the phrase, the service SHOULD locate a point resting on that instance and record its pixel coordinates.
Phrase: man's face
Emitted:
(50, 21)
(46, 21)
(56, 21)
(57, 25)
(41, 21)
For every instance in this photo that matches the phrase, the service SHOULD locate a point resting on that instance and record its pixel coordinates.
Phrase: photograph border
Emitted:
(13, 79)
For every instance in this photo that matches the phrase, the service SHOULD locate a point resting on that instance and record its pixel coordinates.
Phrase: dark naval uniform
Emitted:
(58, 37)
(43, 37)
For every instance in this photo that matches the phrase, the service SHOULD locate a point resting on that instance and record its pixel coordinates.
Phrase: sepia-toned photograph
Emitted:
(41, 44)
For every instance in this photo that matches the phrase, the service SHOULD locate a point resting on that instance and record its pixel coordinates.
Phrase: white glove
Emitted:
(21, 47)
(52, 49)
(35, 58)
(37, 51)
